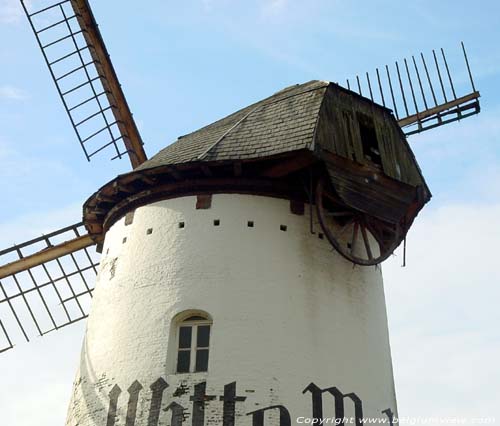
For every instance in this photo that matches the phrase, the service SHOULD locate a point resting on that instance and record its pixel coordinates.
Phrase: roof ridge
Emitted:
(260, 105)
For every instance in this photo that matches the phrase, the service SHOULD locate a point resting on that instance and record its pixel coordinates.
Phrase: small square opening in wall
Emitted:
(181, 224)
(320, 236)
(216, 222)
(250, 223)
(149, 231)
(124, 240)
(283, 228)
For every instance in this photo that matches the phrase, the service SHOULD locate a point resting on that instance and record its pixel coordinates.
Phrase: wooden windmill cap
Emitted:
(260, 149)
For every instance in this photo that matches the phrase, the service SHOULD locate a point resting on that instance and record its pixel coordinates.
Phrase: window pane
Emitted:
(185, 337)
(183, 359)
(203, 336)
(201, 360)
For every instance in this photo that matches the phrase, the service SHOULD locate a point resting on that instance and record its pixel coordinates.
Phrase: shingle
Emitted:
(280, 123)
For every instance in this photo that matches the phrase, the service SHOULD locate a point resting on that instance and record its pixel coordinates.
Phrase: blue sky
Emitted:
(185, 64)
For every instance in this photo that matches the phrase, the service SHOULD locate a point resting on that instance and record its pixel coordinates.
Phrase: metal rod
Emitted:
(80, 86)
(6, 298)
(45, 284)
(439, 75)
(429, 79)
(38, 239)
(7, 337)
(51, 281)
(449, 75)
(348, 85)
(392, 91)
(93, 90)
(96, 133)
(74, 70)
(61, 39)
(369, 86)
(91, 262)
(401, 88)
(359, 86)
(23, 296)
(380, 87)
(67, 56)
(61, 95)
(87, 100)
(411, 86)
(468, 67)
(55, 25)
(105, 146)
(92, 116)
(420, 82)
(43, 10)
(41, 297)
(68, 282)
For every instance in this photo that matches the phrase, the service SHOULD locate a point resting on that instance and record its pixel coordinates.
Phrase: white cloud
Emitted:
(12, 93)
(35, 224)
(274, 7)
(444, 316)
(10, 11)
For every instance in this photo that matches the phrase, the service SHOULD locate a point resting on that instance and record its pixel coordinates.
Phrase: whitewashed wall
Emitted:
(287, 311)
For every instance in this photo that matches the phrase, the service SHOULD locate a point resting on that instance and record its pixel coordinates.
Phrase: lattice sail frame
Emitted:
(51, 295)
(81, 69)
(410, 92)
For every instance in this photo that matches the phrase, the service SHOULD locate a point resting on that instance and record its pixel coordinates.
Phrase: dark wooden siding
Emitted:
(338, 131)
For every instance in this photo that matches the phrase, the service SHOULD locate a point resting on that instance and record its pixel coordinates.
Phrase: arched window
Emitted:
(193, 344)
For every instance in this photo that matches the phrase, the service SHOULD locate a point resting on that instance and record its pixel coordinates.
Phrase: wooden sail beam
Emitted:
(109, 80)
(415, 118)
(46, 255)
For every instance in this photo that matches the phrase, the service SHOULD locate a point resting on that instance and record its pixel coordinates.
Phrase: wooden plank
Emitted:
(290, 165)
(46, 255)
(109, 80)
(368, 190)
(411, 119)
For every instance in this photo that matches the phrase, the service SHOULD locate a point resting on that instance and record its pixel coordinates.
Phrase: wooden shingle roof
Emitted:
(283, 122)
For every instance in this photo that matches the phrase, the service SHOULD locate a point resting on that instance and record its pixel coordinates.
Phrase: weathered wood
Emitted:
(46, 255)
(237, 168)
(111, 85)
(206, 170)
(290, 165)
(411, 119)
(368, 190)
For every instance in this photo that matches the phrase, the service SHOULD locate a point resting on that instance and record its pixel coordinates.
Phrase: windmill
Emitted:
(339, 158)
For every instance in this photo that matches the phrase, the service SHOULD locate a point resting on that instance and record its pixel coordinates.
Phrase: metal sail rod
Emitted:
(392, 91)
(401, 88)
(439, 75)
(420, 82)
(359, 86)
(449, 75)
(369, 86)
(46, 255)
(79, 65)
(468, 67)
(429, 79)
(411, 86)
(422, 113)
(441, 108)
(380, 87)
(132, 140)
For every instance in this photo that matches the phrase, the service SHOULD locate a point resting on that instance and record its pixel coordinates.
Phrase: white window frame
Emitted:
(194, 324)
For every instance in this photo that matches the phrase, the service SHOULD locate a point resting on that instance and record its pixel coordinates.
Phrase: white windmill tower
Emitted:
(237, 283)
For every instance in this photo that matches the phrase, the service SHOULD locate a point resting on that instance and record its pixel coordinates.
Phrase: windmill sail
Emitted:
(45, 284)
(422, 96)
(85, 79)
